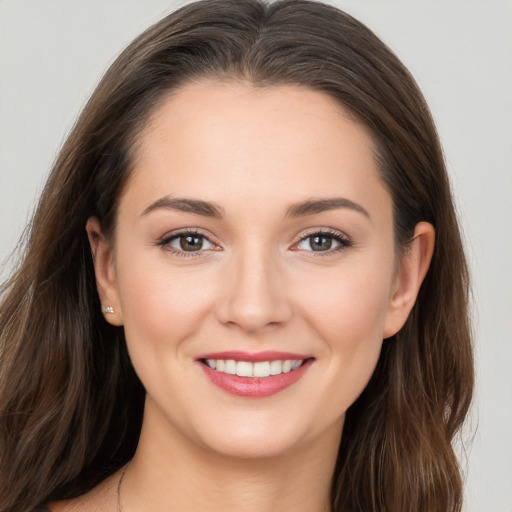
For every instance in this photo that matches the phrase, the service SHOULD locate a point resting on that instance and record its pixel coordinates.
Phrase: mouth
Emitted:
(254, 375)
(259, 370)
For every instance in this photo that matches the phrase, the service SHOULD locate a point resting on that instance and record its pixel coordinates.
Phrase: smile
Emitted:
(259, 369)
(254, 375)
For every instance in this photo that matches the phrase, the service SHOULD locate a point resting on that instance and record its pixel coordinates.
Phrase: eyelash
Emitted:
(337, 236)
(164, 243)
(342, 239)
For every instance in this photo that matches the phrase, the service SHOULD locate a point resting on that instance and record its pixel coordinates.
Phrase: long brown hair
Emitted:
(70, 402)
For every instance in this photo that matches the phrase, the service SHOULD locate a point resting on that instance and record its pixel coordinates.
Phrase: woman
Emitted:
(244, 286)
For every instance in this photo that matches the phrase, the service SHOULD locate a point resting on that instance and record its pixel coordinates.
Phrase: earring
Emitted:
(108, 310)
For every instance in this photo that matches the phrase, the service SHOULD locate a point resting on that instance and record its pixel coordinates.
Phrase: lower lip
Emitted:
(254, 387)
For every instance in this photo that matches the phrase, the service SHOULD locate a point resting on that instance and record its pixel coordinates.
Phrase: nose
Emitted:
(255, 294)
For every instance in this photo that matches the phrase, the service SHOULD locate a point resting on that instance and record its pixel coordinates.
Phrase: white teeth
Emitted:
(244, 369)
(287, 366)
(296, 364)
(261, 369)
(276, 367)
(230, 366)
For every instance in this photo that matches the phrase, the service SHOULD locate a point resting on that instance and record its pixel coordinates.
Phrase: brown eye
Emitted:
(320, 242)
(187, 243)
(191, 242)
(324, 242)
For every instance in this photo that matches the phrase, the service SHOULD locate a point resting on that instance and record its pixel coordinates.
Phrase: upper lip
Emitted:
(254, 357)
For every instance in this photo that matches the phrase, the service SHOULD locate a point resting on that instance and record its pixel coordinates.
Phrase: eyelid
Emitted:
(168, 237)
(341, 238)
(344, 241)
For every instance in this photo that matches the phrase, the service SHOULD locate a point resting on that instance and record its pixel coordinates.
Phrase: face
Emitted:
(253, 267)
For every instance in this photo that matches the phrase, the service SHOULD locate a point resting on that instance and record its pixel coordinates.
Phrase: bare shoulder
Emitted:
(103, 498)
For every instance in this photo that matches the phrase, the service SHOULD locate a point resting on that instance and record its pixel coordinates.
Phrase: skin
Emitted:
(256, 285)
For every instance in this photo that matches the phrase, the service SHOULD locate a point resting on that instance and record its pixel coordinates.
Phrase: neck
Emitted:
(171, 473)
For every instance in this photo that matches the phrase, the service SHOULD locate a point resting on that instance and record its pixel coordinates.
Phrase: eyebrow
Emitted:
(211, 209)
(205, 208)
(314, 206)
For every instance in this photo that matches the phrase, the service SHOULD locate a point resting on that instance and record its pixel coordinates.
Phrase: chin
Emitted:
(252, 445)
(261, 435)
(245, 432)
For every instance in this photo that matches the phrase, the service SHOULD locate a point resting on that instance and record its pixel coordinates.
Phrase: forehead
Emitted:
(223, 141)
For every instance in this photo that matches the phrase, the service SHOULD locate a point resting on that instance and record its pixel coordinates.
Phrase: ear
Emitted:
(104, 268)
(412, 269)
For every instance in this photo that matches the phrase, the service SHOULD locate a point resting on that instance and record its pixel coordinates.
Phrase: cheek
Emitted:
(161, 305)
(347, 310)
(348, 304)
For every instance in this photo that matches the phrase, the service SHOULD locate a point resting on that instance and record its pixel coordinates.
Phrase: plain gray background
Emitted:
(53, 52)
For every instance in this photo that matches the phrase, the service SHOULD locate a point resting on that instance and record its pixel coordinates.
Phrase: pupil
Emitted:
(191, 243)
(320, 243)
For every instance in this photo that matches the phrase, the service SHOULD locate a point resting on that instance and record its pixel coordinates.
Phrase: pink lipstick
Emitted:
(254, 375)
